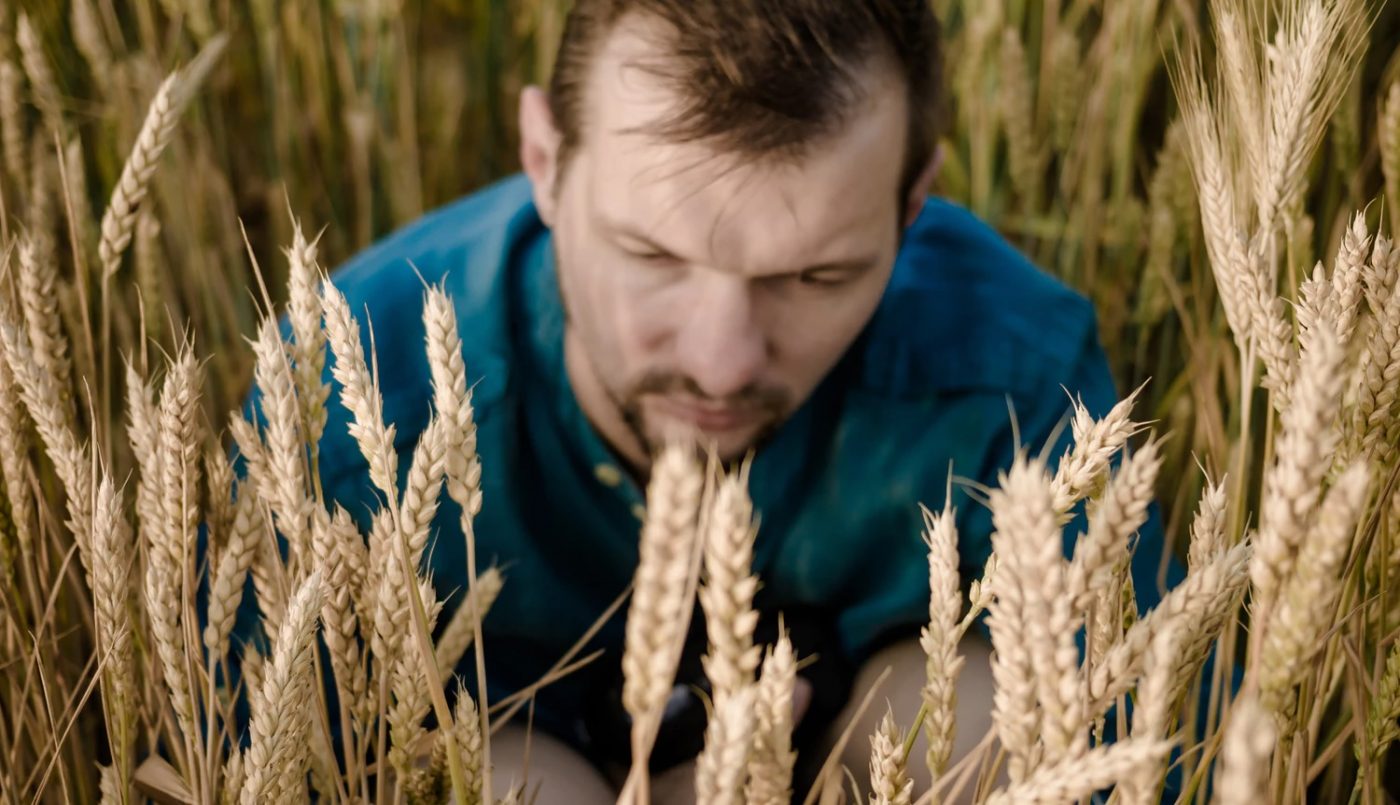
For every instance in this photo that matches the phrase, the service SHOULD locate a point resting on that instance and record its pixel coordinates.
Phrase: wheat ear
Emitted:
(939, 639)
(771, 759)
(1242, 778)
(282, 719)
(457, 636)
(661, 602)
(1077, 777)
(1306, 442)
(1294, 635)
(889, 781)
(729, 587)
(722, 764)
(114, 551)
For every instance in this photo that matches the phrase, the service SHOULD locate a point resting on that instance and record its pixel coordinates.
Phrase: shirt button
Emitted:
(639, 511)
(608, 474)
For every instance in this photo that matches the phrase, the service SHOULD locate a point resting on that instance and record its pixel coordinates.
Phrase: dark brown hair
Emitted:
(762, 78)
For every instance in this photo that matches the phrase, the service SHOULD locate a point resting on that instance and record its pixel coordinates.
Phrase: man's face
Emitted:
(706, 295)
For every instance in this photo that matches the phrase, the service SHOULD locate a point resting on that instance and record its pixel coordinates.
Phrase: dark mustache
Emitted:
(750, 397)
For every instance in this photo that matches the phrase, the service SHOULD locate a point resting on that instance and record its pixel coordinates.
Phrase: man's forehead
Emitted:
(841, 188)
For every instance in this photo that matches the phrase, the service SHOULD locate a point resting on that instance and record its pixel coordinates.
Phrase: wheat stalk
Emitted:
(1026, 156)
(170, 545)
(340, 627)
(1239, 39)
(1378, 383)
(1347, 276)
(1309, 66)
(88, 36)
(409, 682)
(1156, 702)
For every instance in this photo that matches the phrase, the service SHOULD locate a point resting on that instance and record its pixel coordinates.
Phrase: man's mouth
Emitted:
(711, 418)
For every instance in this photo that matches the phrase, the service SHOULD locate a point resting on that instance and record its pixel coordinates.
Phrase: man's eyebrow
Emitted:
(855, 264)
(621, 230)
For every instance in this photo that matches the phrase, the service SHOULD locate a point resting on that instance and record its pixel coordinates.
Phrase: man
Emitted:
(724, 226)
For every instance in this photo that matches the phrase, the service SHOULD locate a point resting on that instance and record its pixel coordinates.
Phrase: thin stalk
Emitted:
(429, 659)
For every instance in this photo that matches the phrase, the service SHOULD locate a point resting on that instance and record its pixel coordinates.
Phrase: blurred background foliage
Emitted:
(359, 115)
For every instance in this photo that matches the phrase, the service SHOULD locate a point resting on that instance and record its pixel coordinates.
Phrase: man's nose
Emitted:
(721, 345)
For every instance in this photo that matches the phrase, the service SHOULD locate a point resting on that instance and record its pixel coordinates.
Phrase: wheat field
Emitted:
(1222, 178)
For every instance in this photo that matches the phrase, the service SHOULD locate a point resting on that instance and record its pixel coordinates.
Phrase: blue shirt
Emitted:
(966, 331)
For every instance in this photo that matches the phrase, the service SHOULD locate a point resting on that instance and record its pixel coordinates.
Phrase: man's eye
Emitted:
(822, 278)
(657, 258)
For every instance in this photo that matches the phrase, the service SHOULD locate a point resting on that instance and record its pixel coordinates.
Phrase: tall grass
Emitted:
(1206, 174)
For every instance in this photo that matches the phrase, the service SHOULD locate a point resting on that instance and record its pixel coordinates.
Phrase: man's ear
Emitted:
(539, 149)
(918, 193)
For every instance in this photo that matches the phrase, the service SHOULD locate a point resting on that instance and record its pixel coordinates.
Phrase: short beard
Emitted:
(772, 404)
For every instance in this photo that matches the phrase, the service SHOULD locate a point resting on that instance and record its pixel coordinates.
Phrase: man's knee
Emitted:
(563, 776)
(901, 690)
